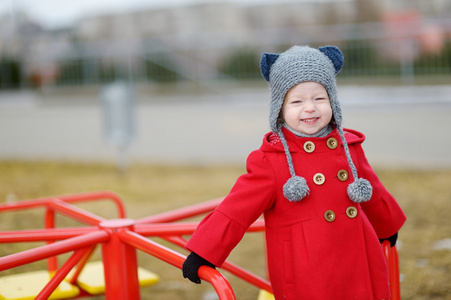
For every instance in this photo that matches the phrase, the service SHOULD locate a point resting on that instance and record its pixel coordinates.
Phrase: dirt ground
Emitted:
(424, 241)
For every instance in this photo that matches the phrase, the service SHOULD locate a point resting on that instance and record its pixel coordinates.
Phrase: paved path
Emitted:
(405, 126)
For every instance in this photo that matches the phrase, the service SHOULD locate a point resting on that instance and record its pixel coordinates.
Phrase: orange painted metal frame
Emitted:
(119, 239)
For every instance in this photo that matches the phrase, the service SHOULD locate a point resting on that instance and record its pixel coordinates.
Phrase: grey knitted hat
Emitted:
(304, 64)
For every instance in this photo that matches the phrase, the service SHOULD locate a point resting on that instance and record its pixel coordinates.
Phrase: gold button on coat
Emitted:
(343, 175)
(351, 212)
(332, 143)
(329, 216)
(319, 178)
(309, 147)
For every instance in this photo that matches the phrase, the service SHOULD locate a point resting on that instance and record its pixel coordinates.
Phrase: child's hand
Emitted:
(391, 239)
(191, 266)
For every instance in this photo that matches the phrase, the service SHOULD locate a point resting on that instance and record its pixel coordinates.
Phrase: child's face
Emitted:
(307, 107)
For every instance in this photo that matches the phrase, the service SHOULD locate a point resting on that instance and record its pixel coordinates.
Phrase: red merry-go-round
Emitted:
(118, 275)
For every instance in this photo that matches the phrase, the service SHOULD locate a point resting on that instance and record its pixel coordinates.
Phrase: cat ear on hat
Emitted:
(335, 55)
(268, 59)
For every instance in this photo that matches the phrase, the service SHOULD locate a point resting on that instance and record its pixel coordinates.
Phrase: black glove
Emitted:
(191, 266)
(391, 239)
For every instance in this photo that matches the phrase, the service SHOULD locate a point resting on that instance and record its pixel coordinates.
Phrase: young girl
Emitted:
(325, 209)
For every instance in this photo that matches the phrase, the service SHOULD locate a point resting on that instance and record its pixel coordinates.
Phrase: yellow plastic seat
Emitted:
(264, 295)
(92, 280)
(26, 286)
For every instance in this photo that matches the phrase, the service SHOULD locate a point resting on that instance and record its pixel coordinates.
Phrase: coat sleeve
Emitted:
(220, 231)
(384, 213)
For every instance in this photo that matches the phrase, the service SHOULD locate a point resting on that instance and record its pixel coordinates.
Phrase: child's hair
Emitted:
(280, 119)
(303, 64)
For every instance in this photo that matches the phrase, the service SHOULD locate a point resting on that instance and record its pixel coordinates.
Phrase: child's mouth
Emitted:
(311, 120)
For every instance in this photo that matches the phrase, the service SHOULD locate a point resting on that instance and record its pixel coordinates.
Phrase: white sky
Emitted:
(56, 13)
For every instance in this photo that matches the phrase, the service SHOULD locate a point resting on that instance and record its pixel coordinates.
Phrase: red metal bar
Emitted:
(80, 265)
(43, 252)
(176, 240)
(170, 229)
(75, 212)
(74, 198)
(96, 196)
(182, 213)
(50, 214)
(120, 263)
(391, 255)
(42, 235)
(61, 274)
(158, 229)
(25, 204)
(247, 276)
(163, 253)
(49, 223)
(396, 274)
(230, 267)
(163, 230)
(220, 284)
(218, 281)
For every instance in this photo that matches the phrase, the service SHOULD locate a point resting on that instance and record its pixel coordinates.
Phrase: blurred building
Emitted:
(196, 39)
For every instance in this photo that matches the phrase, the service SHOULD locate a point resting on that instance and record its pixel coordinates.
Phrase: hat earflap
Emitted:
(296, 188)
(268, 59)
(360, 190)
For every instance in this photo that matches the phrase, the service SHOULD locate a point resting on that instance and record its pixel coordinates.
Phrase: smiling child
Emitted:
(325, 209)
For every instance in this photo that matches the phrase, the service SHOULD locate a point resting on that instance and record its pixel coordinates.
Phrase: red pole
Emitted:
(99, 195)
(220, 284)
(61, 274)
(75, 212)
(43, 252)
(182, 213)
(92, 196)
(230, 267)
(391, 256)
(80, 265)
(49, 222)
(43, 235)
(120, 263)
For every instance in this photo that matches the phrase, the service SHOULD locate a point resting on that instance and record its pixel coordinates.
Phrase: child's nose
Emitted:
(310, 106)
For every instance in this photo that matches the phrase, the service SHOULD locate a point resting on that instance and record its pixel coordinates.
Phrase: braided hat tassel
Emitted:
(360, 190)
(296, 188)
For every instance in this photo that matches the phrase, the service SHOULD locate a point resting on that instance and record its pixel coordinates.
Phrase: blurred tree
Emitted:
(10, 73)
(242, 64)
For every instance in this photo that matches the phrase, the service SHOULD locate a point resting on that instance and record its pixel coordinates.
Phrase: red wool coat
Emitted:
(322, 247)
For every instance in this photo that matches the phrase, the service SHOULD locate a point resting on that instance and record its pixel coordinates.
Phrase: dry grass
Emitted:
(147, 190)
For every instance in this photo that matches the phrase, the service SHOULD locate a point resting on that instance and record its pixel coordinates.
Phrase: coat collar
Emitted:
(272, 143)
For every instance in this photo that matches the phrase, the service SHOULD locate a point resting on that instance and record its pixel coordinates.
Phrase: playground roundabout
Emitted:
(117, 275)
